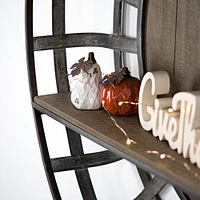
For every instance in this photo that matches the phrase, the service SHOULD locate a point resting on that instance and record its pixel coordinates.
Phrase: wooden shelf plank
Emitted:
(98, 126)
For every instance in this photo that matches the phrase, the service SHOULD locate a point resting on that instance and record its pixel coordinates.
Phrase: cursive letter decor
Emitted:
(176, 119)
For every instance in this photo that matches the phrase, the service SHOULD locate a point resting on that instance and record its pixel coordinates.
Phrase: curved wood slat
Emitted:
(45, 156)
(33, 92)
(85, 39)
(84, 161)
(29, 49)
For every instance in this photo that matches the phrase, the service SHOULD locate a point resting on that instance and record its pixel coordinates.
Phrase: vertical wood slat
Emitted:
(58, 21)
(82, 175)
(146, 178)
(117, 30)
(160, 36)
(152, 189)
(141, 24)
(172, 42)
(75, 144)
(187, 58)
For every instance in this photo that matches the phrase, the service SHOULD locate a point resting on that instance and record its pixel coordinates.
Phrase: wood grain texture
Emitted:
(187, 58)
(111, 41)
(159, 36)
(98, 126)
(172, 42)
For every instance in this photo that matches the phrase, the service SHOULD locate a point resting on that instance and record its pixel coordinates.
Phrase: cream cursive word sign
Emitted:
(176, 119)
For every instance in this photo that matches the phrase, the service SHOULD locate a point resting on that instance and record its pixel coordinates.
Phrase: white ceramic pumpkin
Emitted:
(86, 90)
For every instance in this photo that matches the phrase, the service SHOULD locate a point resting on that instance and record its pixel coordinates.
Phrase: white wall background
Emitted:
(22, 175)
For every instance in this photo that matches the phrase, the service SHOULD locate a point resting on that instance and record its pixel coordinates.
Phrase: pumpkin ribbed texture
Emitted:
(125, 91)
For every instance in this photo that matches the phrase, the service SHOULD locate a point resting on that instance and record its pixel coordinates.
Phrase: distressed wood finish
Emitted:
(154, 187)
(117, 30)
(58, 26)
(187, 58)
(97, 126)
(160, 36)
(172, 42)
(86, 39)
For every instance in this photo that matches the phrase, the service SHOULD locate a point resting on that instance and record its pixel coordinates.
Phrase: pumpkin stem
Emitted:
(115, 77)
(91, 57)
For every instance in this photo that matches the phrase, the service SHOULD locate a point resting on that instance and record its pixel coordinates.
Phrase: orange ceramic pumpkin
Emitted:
(119, 92)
